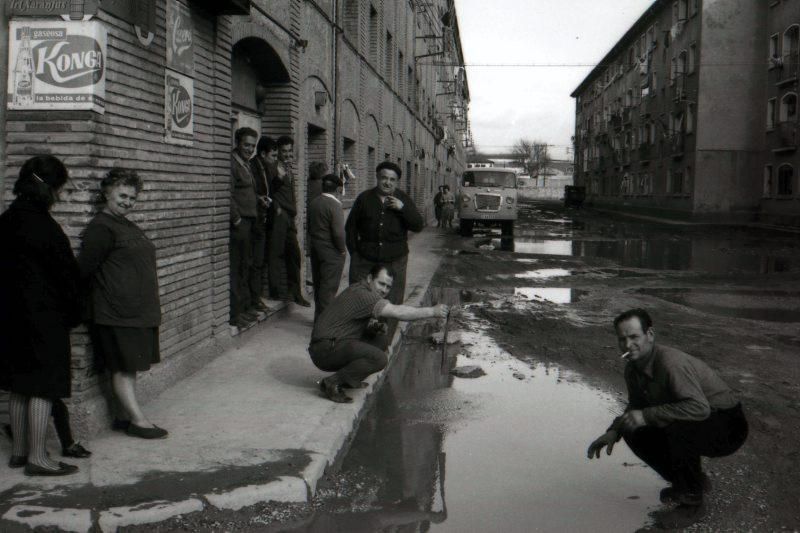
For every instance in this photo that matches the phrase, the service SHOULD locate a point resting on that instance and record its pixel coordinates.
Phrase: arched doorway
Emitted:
(259, 88)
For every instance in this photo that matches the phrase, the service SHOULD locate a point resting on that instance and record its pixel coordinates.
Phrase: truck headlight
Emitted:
(465, 199)
(509, 200)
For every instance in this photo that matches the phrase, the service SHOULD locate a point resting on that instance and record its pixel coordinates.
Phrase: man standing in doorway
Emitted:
(326, 233)
(678, 410)
(244, 211)
(377, 229)
(263, 168)
(283, 259)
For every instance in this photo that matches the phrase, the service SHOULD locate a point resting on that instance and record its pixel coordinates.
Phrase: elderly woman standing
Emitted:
(119, 262)
(39, 303)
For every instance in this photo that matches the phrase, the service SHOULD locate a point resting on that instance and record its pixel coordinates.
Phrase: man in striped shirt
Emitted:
(340, 339)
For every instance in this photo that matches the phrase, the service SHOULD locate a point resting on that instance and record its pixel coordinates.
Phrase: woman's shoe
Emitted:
(120, 425)
(63, 470)
(154, 432)
(17, 461)
(76, 450)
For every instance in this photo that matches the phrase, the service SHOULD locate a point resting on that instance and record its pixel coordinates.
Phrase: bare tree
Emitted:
(533, 156)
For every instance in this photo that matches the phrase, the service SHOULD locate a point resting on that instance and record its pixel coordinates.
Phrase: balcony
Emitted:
(679, 88)
(787, 137)
(785, 73)
(676, 144)
(627, 115)
(645, 152)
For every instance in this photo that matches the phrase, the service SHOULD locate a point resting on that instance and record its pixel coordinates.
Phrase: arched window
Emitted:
(791, 41)
(785, 180)
(788, 108)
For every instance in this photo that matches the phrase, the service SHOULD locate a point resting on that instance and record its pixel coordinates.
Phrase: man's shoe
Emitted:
(77, 451)
(684, 515)
(249, 316)
(333, 392)
(261, 307)
(362, 385)
(154, 432)
(299, 300)
(673, 495)
(241, 322)
(63, 470)
(17, 461)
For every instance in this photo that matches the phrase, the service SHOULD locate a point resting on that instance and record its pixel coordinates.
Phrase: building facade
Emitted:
(672, 119)
(354, 81)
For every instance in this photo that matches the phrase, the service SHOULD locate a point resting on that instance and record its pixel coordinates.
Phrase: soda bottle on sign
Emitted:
(23, 71)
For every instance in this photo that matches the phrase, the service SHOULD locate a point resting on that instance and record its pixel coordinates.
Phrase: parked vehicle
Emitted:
(487, 197)
(574, 195)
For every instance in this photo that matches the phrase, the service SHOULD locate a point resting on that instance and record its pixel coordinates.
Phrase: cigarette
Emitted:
(626, 354)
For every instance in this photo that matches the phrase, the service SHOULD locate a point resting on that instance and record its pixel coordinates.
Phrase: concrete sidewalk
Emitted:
(249, 427)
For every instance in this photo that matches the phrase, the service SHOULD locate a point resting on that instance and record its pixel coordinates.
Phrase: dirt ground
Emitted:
(733, 302)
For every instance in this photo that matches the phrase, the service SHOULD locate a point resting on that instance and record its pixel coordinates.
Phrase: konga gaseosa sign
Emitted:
(56, 65)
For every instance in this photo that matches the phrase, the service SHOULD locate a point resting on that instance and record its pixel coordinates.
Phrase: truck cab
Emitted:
(487, 197)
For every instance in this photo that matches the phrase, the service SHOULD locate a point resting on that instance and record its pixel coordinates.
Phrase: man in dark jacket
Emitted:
(678, 410)
(326, 233)
(283, 253)
(244, 211)
(377, 229)
(266, 156)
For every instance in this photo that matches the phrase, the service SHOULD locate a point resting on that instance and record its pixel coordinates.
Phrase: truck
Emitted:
(487, 197)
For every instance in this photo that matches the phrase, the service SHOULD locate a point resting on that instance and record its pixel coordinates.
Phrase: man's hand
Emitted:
(440, 311)
(632, 420)
(608, 439)
(377, 327)
(394, 203)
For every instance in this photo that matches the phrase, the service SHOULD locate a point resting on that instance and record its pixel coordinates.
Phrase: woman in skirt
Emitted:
(118, 262)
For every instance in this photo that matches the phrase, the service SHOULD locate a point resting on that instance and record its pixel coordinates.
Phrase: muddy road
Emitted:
(506, 451)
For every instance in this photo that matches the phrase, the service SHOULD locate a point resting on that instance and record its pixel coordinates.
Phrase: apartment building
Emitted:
(670, 120)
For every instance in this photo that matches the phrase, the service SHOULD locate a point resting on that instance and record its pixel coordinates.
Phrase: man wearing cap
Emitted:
(377, 229)
(326, 235)
(678, 410)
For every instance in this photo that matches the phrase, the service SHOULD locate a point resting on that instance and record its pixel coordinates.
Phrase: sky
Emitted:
(509, 103)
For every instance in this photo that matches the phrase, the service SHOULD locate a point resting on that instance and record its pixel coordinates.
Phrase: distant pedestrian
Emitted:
(437, 206)
(377, 229)
(448, 207)
(340, 339)
(328, 250)
(118, 263)
(39, 303)
(283, 251)
(678, 410)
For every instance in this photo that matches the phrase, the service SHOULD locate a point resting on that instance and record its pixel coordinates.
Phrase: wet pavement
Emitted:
(506, 451)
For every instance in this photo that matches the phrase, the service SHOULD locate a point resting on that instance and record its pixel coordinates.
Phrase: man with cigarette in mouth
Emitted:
(678, 410)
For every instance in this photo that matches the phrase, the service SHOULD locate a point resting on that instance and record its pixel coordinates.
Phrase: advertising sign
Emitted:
(180, 53)
(178, 108)
(72, 8)
(56, 65)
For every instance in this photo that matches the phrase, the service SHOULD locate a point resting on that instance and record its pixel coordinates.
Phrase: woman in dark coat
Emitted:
(119, 262)
(39, 303)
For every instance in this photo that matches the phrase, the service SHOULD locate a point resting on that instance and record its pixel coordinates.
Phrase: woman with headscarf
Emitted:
(39, 303)
(118, 261)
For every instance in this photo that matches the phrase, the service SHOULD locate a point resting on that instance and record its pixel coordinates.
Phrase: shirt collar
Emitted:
(329, 195)
(647, 369)
(239, 159)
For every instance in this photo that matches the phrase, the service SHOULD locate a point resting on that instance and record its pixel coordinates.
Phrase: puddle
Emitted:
(550, 294)
(504, 452)
(699, 254)
(543, 273)
(769, 306)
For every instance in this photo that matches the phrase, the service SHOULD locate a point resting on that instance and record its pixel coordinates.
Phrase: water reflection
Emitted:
(554, 295)
(696, 254)
(543, 273)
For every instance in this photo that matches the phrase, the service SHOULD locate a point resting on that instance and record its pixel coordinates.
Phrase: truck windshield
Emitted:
(490, 179)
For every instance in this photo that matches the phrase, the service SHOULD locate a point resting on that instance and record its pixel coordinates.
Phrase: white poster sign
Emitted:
(178, 108)
(56, 65)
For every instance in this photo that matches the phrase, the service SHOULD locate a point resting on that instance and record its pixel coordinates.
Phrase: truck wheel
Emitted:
(465, 227)
(507, 227)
